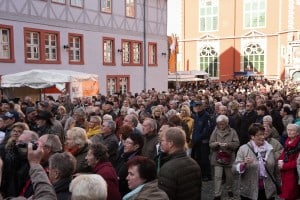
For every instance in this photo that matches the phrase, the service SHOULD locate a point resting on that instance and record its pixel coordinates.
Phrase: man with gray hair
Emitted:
(150, 138)
(109, 139)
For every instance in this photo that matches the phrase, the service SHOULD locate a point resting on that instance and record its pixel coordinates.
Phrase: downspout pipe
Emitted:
(145, 44)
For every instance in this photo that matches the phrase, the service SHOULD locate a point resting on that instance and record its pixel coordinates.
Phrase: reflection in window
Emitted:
(130, 8)
(152, 57)
(32, 45)
(108, 46)
(77, 3)
(4, 44)
(254, 13)
(254, 57)
(106, 6)
(209, 15)
(50, 46)
(111, 86)
(209, 61)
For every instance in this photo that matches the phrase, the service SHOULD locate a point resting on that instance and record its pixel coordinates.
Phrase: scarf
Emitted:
(262, 155)
(133, 193)
(93, 131)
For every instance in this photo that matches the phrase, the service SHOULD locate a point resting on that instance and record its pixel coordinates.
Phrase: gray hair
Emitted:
(64, 162)
(112, 125)
(53, 142)
(78, 135)
(222, 118)
(268, 118)
(88, 187)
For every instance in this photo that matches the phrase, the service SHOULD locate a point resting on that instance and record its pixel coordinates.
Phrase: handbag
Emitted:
(223, 157)
(277, 185)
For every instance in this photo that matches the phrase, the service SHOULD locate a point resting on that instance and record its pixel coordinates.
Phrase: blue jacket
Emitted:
(202, 125)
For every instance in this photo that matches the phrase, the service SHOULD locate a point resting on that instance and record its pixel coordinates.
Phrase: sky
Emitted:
(173, 17)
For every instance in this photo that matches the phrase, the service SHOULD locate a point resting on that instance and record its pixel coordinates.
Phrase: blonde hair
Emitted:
(88, 187)
(78, 135)
(187, 109)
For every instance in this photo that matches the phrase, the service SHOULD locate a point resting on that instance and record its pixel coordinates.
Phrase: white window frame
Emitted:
(209, 15)
(75, 49)
(152, 57)
(251, 14)
(59, 1)
(108, 46)
(77, 3)
(51, 46)
(136, 50)
(130, 8)
(33, 46)
(4, 43)
(106, 6)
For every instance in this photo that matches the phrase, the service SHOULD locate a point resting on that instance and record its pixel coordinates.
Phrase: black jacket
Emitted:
(61, 188)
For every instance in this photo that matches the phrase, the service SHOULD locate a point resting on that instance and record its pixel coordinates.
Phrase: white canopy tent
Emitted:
(39, 79)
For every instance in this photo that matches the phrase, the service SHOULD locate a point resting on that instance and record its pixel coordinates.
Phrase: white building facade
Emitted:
(124, 42)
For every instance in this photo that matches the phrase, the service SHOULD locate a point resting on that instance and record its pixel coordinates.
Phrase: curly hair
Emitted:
(99, 151)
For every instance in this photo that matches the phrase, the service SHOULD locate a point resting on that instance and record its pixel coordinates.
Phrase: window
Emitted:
(209, 61)
(76, 49)
(132, 53)
(253, 58)
(209, 15)
(152, 54)
(130, 8)
(108, 51)
(105, 6)
(41, 46)
(117, 84)
(77, 3)
(6, 44)
(59, 1)
(254, 13)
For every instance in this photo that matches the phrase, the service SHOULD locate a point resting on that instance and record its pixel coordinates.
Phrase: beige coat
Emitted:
(249, 178)
(228, 136)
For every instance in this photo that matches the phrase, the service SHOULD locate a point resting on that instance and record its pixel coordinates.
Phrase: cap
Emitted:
(30, 110)
(197, 103)
(11, 114)
(43, 114)
(44, 103)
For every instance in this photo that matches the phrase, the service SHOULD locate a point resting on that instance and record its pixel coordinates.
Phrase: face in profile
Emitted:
(133, 178)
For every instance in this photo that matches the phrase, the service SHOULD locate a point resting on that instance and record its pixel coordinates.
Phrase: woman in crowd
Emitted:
(77, 144)
(132, 147)
(62, 115)
(185, 116)
(287, 118)
(287, 164)
(142, 180)
(97, 158)
(94, 127)
(275, 143)
(256, 163)
(223, 142)
(8, 153)
(268, 120)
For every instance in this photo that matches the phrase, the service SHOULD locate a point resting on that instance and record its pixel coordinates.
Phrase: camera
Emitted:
(24, 145)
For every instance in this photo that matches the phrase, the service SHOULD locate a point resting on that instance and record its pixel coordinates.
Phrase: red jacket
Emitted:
(107, 171)
(290, 188)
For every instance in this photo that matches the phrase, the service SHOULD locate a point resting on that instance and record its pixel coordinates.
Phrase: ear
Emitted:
(136, 147)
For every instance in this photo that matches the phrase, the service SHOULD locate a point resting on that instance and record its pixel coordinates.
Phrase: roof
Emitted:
(44, 78)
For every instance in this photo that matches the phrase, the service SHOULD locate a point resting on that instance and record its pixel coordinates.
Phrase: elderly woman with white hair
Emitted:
(88, 187)
(287, 164)
(268, 120)
(223, 142)
(77, 144)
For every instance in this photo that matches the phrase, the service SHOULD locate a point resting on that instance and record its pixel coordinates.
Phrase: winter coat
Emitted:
(61, 188)
(250, 177)
(43, 190)
(276, 146)
(298, 169)
(122, 170)
(149, 148)
(247, 119)
(82, 166)
(228, 136)
(107, 171)
(290, 188)
(151, 191)
(180, 177)
(201, 126)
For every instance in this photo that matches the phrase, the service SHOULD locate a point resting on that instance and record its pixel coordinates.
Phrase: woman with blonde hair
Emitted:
(185, 116)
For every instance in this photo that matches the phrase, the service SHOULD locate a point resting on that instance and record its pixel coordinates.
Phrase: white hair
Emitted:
(88, 187)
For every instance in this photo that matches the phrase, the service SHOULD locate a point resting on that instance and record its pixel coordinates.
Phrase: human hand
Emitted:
(34, 156)
(248, 160)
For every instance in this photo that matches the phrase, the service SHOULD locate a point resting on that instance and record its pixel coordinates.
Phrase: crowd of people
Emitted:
(154, 145)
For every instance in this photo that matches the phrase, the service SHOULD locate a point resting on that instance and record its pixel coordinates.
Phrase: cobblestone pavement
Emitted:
(208, 190)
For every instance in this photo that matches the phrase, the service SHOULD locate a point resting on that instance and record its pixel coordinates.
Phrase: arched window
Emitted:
(254, 58)
(209, 61)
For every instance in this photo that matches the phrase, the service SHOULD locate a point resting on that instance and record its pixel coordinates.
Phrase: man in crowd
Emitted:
(180, 176)
(150, 138)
